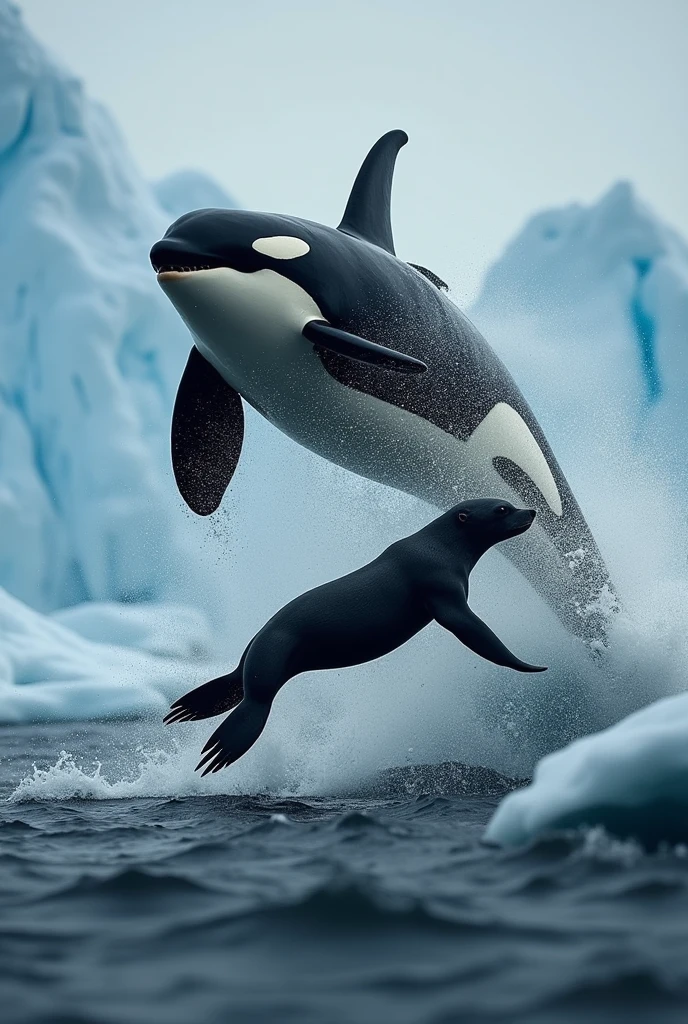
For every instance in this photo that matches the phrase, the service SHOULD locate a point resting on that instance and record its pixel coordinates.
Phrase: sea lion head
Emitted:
(487, 521)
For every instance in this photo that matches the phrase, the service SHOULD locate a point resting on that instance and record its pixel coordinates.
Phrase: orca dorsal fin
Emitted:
(367, 213)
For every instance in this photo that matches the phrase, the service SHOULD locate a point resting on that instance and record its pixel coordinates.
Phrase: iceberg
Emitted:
(91, 527)
(596, 298)
(90, 353)
(182, 191)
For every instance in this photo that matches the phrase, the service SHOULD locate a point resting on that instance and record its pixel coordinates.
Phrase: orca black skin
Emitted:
(358, 618)
(365, 360)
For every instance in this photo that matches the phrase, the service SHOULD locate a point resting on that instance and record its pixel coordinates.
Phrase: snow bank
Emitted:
(631, 779)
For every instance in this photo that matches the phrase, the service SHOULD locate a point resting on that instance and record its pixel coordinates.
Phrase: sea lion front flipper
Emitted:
(207, 435)
(322, 335)
(467, 627)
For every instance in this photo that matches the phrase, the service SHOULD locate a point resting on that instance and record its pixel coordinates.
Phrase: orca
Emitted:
(365, 360)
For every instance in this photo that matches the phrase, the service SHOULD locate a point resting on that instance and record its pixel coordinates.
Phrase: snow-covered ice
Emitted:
(110, 663)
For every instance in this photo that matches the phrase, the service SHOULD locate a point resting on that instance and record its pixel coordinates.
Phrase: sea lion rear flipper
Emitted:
(207, 435)
(210, 699)
(234, 736)
(322, 335)
(472, 631)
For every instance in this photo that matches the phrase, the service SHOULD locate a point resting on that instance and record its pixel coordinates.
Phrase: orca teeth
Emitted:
(164, 268)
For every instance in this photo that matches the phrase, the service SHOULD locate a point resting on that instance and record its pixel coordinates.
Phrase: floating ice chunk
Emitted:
(632, 779)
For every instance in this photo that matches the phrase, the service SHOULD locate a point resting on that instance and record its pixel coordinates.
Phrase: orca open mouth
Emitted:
(169, 258)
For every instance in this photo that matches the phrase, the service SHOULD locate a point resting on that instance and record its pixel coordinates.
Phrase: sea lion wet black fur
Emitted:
(358, 618)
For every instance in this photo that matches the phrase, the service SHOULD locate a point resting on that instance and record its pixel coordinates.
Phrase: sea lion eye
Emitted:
(463, 516)
(281, 247)
(502, 510)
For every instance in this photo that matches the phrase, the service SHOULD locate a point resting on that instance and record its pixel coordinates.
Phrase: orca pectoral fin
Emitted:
(478, 637)
(322, 335)
(207, 435)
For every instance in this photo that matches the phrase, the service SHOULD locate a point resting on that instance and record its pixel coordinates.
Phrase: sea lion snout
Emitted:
(522, 519)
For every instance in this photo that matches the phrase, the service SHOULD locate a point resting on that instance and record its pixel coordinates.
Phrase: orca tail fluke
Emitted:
(234, 737)
(210, 699)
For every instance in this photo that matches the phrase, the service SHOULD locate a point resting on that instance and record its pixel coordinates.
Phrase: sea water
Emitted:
(124, 897)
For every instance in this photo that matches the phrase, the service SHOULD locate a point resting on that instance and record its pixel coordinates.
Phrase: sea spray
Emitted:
(430, 701)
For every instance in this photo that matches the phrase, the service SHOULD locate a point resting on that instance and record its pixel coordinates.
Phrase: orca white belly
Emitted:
(267, 360)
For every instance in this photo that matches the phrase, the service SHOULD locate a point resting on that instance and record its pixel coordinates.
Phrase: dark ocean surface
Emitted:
(379, 908)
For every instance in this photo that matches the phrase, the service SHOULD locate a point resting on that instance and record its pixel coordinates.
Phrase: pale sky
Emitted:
(511, 105)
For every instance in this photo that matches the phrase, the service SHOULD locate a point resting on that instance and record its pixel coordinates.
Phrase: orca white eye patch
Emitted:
(281, 247)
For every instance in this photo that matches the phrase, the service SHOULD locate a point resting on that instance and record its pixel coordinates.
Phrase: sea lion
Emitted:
(358, 618)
